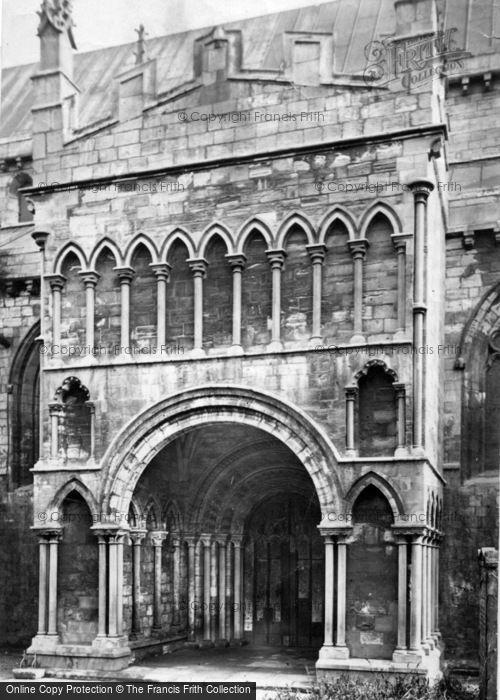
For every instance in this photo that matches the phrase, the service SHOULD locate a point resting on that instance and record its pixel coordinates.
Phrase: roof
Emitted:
(353, 23)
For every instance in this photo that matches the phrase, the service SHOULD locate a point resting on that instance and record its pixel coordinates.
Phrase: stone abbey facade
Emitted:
(250, 337)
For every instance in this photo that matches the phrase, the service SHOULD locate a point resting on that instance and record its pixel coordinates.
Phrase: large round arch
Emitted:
(148, 433)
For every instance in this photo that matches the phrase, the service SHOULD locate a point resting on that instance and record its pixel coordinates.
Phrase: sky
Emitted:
(102, 23)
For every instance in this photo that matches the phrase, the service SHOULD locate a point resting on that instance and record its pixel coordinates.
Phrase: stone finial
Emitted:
(59, 14)
(141, 45)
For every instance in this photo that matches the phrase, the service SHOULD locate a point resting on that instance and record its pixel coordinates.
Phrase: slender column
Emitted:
(126, 275)
(317, 254)
(341, 592)
(358, 250)
(416, 594)
(399, 242)
(430, 592)
(237, 263)
(351, 393)
(157, 538)
(222, 544)
(40, 238)
(421, 190)
(329, 589)
(56, 283)
(402, 591)
(90, 280)
(229, 601)
(191, 542)
(54, 538)
(199, 269)
(91, 406)
(103, 546)
(115, 581)
(137, 536)
(162, 272)
(176, 578)
(425, 591)
(400, 390)
(42, 585)
(54, 409)
(214, 590)
(199, 590)
(276, 260)
(237, 597)
(435, 626)
(207, 541)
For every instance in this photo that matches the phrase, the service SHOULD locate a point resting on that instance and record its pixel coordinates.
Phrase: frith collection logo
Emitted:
(414, 60)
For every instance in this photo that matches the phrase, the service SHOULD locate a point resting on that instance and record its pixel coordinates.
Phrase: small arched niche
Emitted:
(377, 412)
(73, 412)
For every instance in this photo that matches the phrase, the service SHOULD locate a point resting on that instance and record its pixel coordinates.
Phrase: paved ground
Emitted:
(269, 668)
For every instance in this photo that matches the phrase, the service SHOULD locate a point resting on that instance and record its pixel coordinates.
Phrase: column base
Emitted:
(197, 353)
(207, 644)
(401, 452)
(406, 656)
(43, 642)
(236, 350)
(220, 643)
(358, 339)
(333, 652)
(275, 346)
(315, 341)
(108, 644)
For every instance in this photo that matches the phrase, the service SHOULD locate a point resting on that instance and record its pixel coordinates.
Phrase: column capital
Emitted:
(237, 261)
(399, 241)
(351, 391)
(222, 538)
(237, 540)
(56, 282)
(49, 533)
(89, 277)
(399, 388)
(206, 539)
(421, 188)
(358, 248)
(317, 252)
(126, 274)
(54, 408)
(40, 238)
(157, 537)
(198, 266)
(137, 536)
(161, 270)
(276, 258)
(339, 533)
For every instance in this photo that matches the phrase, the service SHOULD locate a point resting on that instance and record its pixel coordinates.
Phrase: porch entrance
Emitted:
(284, 573)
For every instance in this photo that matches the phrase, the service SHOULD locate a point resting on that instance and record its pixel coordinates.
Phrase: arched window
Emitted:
(337, 299)
(107, 301)
(180, 299)
(377, 412)
(296, 305)
(78, 573)
(74, 415)
(217, 297)
(143, 300)
(256, 302)
(25, 382)
(73, 304)
(372, 577)
(380, 291)
(24, 208)
(491, 439)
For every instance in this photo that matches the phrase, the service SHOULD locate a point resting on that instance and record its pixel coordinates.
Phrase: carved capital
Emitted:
(237, 261)
(317, 253)
(90, 277)
(276, 258)
(126, 274)
(399, 241)
(161, 270)
(157, 537)
(56, 282)
(351, 392)
(358, 248)
(137, 536)
(421, 189)
(206, 539)
(400, 389)
(198, 266)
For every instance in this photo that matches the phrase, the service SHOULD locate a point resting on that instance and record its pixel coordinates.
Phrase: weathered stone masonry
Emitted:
(241, 339)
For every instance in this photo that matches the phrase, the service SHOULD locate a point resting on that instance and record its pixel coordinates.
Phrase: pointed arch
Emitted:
(387, 490)
(337, 214)
(135, 511)
(296, 219)
(212, 230)
(67, 250)
(249, 227)
(141, 239)
(376, 209)
(152, 507)
(74, 485)
(173, 516)
(178, 234)
(372, 364)
(102, 245)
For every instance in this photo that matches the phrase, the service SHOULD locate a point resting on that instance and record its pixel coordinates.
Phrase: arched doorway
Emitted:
(284, 573)
(372, 579)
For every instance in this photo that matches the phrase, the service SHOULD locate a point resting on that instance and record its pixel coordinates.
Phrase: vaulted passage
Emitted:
(224, 545)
